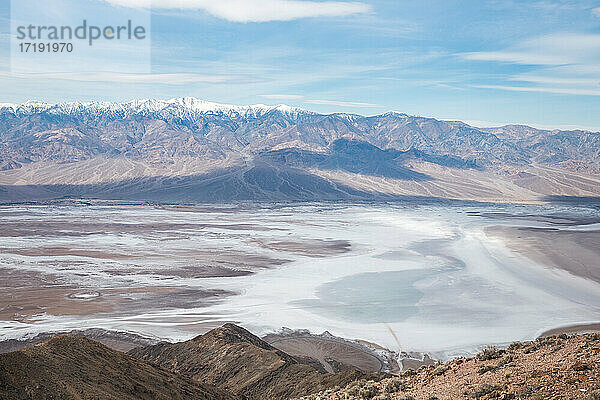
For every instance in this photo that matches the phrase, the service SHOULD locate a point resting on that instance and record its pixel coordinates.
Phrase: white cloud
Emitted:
(564, 63)
(297, 97)
(596, 11)
(257, 10)
(515, 57)
(342, 103)
(554, 49)
(282, 96)
(538, 89)
(170, 79)
(557, 80)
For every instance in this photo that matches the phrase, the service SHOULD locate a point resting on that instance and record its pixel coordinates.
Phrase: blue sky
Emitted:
(489, 62)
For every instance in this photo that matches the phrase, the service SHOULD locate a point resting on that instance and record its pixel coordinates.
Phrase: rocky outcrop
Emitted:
(73, 367)
(232, 358)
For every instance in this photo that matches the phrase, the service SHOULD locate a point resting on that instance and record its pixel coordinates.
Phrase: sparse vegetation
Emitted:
(545, 374)
(486, 368)
(440, 370)
(546, 341)
(368, 391)
(490, 353)
(505, 361)
(486, 389)
(393, 385)
(595, 395)
(594, 337)
(514, 346)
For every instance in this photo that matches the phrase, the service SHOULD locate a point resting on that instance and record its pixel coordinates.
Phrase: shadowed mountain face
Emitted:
(350, 156)
(233, 359)
(211, 152)
(73, 367)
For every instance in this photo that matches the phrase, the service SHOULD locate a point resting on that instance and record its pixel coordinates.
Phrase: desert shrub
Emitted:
(383, 396)
(514, 346)
(353, 390)
(530, 349)
(594, 336)
(393, 385)
(368, 391)
(531, 390)
(594, 395)
(486, 368)
(490, 353)
(440, 370)
(581, 366)
(558, 347)
(545, 341)
(505, 361)
(485, 389)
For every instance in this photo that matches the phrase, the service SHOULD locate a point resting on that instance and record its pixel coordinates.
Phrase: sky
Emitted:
(487, 62)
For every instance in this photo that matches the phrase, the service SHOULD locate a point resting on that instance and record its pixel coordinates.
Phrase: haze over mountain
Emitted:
(187, 149)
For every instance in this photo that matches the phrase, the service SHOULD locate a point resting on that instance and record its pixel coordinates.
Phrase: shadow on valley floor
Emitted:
(575, 200)
(349, 156)
(261, 182)
(363, 158)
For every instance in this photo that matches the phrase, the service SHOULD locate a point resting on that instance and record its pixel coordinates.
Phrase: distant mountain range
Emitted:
(187, 149)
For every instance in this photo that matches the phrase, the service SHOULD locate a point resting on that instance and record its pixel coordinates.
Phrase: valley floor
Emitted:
(414, 278)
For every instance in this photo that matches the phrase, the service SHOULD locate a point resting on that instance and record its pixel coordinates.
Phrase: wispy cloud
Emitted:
(557, 80)
(342, 103)
(167, 78)
(537, 89)
(554, 49)
(256, 10)
(322, 102)
(282, 96)
(596, 11)
(563, 63)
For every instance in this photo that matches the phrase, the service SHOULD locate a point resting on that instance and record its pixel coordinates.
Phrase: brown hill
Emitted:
(557, 367)
(234, 359)
(73, 367)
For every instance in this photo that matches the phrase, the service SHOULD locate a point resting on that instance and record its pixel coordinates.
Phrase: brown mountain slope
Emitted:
(73, 367)
(566, 368)
(233, 359)
(188, 150)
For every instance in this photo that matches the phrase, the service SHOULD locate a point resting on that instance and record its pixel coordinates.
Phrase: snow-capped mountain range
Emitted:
(183, 106)
(281, 152)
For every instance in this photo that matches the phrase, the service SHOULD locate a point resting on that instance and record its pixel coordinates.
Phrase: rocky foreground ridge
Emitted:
(556, 367)
(231, 363)
(226, 363)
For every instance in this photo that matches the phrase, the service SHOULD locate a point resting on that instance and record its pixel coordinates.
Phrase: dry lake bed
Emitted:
(436, 278)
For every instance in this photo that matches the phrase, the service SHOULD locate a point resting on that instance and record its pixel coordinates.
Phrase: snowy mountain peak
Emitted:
(183, 106)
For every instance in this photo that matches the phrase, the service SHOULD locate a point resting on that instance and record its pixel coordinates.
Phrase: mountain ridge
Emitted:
(235, 360)
(379, 156)
(73, 367)
(199, 105)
